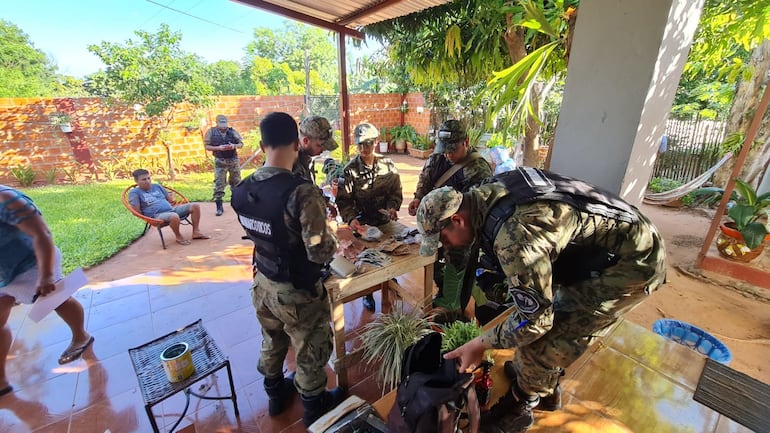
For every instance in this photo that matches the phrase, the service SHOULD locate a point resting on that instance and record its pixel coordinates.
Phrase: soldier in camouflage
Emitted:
(452, 153)
(315, 137)
(370, 193)
(572, 273)
(285, 216)
(223, 141)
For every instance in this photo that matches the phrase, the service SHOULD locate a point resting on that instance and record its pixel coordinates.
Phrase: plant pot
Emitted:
(419, 153)
(731, 245)
(400, 145)
(383, 146)
(65, 127)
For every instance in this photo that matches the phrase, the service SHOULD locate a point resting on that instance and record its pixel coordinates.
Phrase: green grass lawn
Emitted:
(90, 224)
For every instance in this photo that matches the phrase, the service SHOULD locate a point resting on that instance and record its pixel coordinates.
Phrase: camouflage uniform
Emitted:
(555, 322)
(289, 315)
(437, 164)
(225, 162)
(366, 190)
(302, 166)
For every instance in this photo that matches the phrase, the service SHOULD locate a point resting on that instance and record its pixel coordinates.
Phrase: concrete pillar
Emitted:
(626, 60)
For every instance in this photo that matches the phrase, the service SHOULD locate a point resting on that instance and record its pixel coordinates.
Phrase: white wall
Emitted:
(626, 60)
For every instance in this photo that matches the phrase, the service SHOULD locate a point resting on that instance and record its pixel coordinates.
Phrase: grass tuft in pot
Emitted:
(386, 338)
(458, 333)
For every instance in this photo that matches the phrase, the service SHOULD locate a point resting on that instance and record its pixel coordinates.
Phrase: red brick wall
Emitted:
(105, 135)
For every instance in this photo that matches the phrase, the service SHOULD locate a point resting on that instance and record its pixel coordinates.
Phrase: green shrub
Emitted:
(50, 176)
(662, 184)
(458, 333)
(24, 174)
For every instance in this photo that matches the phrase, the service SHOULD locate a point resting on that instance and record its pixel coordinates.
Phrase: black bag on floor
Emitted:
(432, 393)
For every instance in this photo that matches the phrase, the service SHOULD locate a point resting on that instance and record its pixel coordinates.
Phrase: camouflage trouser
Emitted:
(224, 168)
(293, 317)
(586, 310)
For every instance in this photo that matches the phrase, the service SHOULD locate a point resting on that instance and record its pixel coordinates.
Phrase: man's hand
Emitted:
(45, 285)
(356, 226)
(393, 214)
(413, 205)
(470, 354)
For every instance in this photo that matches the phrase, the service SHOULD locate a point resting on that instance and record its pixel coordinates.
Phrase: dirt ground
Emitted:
(737, 314)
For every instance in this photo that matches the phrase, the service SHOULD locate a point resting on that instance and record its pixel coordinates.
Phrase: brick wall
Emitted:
(106, 135)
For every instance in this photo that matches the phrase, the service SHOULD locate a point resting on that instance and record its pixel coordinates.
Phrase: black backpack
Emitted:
(432, 393)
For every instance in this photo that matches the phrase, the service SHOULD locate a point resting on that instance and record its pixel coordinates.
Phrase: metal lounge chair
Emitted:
(178, 197)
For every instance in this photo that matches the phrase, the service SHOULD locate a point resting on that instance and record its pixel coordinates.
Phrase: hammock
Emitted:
(666, 197)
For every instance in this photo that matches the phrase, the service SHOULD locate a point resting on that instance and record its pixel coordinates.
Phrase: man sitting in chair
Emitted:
(152, 200)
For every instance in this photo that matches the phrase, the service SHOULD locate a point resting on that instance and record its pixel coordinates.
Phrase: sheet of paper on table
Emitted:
(64, 289)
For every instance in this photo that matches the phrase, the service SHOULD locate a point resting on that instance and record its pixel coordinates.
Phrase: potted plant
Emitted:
(383, 140)
(422, 147)
(61, 120)
(401, 135)
(387, 337)
(744, 237)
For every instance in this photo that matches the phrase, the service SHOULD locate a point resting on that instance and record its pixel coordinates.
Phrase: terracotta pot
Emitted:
(731, 245)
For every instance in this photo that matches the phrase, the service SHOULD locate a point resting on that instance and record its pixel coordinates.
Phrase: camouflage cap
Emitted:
(319, 128)
(449, 135)
(365, 132)
(435, 208)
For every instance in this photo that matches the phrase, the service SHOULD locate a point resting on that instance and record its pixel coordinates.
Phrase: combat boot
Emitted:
(548, 403)
(511, 414)
(318, 405)
(220, 210)
(279, 390)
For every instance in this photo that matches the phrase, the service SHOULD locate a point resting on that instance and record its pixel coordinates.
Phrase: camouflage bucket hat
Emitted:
(365, 132)
(319, 128)
(435, 208)
(449, 135)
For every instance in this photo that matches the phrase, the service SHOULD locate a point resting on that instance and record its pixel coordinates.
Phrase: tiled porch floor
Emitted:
(634, 381)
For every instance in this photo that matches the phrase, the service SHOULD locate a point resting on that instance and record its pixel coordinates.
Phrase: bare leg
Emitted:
(173, 222)
(6, 303)
(195, 217)
(72, 313)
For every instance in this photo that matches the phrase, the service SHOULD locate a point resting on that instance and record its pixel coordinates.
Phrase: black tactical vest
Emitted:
(219, 138)
(260, 206)
(527, 184)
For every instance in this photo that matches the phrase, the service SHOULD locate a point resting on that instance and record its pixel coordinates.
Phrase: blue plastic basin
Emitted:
(693, 337)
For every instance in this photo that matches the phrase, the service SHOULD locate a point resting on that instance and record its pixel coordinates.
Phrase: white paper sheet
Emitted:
(64, 289)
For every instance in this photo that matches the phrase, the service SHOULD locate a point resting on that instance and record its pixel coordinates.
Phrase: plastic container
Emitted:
(693, 337)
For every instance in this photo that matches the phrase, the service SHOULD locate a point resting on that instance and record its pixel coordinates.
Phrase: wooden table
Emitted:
(343, 290)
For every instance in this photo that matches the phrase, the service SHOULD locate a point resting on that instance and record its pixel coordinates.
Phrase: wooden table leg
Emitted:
(428, 286)
(340, 351)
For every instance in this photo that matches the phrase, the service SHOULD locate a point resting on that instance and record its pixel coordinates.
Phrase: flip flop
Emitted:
(183, 242)
(6, 390)
(202, 236)
(75, 352)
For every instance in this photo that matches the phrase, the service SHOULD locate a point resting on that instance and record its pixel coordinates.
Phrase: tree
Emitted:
(276, 60)
(24, 70)
(154, 72)
(732, 45)
(463, 43)
(227, 78)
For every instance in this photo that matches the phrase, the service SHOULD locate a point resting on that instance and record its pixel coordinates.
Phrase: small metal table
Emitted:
(153, 382)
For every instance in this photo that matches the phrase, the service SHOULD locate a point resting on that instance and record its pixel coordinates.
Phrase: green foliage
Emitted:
(662, 184)
(50, 176)
(24, 174)
(275, 60)
(458, 333)
(25, 71)
(227, 78)
(387, 337)
(403, 132)
(58, 119)
(423, 142)
(750, 213)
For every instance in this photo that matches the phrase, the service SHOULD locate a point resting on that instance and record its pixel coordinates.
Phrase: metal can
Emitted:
(177, 362)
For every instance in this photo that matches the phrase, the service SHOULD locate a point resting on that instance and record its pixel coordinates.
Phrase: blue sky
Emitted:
(63, 29)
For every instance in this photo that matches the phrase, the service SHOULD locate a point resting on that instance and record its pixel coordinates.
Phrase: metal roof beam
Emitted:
(262, 4)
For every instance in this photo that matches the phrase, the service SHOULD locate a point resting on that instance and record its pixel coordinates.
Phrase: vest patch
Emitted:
(262, 227)
(525, 302)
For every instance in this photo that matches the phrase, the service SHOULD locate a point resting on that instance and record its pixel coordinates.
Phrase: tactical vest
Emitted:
(527, 184)
(218, 139)
(260, 206)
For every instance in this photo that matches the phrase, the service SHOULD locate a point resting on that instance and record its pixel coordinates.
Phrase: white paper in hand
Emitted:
(64, 289)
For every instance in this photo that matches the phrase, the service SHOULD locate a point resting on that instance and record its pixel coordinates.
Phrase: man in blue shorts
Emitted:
(152, 200)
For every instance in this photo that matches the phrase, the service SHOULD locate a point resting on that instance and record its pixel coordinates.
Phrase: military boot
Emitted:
(318, 405)
(279, 390)
(511, 414)
(220, 210)
(548, 403)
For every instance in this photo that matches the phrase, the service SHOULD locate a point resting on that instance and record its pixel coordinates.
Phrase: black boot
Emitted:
(220, 210)
(279, 391)
(549, 403)
(511, 414)
(369, 303)
(318, 405)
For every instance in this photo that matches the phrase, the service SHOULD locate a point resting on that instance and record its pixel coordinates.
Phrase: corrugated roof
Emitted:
(346, 16)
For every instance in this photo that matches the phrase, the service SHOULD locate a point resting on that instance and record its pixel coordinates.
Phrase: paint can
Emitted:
(177, 362)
